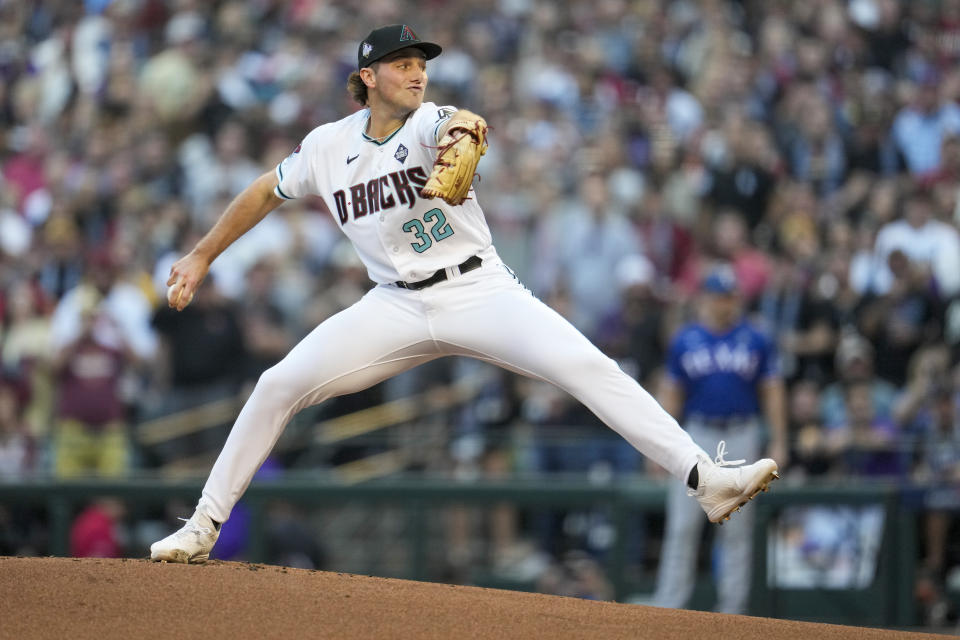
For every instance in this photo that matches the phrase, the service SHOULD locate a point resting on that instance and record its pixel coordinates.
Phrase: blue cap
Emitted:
(720, 280)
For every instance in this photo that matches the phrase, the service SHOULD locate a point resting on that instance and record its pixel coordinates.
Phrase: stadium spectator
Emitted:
(898, 322)
(929, 371)
(25, 352)
(668, 244)
(871, 446)
(204, 349)
(172, 86)
(939, 471)
(220, 172)
(797, 311)
(731, 244)
(632, 333)
(18, 452)
(106, 294)
(588, 237)
(95, 533)
(816, 152)
(100, 331)
(743, 177)
(855, 364)
(91, 432)
(24, 171)
(929, 244)
(814, 450)
(920, 127)
(674, 105)
(873, 150)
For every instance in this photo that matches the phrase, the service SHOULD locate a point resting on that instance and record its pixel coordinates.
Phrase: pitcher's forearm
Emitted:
(247, 209)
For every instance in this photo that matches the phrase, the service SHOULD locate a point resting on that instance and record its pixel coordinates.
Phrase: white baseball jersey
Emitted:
(373, 190)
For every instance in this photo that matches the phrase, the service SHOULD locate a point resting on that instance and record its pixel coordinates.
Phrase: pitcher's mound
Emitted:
(97, 599)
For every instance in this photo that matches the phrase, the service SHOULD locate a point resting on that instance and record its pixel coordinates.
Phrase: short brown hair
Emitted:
(356, 88)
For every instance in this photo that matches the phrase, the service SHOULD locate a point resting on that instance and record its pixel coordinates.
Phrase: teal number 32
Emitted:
(440, 230)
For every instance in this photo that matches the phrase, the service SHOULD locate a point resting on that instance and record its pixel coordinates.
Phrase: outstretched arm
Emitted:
(247, 209)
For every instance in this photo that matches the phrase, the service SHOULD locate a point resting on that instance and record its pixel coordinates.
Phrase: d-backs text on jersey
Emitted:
(399, 187)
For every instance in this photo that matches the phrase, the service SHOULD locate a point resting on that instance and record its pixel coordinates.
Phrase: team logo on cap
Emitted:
(401, 154)
(365, 49)
(407, 34)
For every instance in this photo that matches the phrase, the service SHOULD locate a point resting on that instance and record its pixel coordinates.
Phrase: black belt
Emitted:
(469, 264)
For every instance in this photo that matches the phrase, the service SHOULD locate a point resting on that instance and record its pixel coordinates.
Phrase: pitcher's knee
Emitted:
(284, 390)
(277, 387)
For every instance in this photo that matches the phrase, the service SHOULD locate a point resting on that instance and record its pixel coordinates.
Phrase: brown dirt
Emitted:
(92, 598)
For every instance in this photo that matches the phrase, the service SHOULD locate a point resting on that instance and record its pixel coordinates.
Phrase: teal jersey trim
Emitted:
(374, 140)
(282, 194)
(279, 190)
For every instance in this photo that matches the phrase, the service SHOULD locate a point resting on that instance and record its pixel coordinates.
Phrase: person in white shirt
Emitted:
(920, 127)
(441, 289)
(925, 241)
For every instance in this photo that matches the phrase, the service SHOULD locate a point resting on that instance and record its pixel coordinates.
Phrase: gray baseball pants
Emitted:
(684, 526)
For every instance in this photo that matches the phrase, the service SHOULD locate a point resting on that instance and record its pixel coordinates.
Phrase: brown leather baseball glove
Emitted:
(458, 153)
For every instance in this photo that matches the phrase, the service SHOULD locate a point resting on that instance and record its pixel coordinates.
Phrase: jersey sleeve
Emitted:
(431, 120)
(296, 174)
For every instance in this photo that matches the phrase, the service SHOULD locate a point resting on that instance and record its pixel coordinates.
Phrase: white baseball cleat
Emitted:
(191, 544)
(723, 490)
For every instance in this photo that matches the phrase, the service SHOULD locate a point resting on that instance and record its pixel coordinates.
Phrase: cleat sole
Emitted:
(180, 557)
(763, 486)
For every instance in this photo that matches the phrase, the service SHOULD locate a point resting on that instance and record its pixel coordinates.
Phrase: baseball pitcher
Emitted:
(397, 176)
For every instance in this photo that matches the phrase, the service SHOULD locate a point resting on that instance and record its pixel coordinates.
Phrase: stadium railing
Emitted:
(885, 599)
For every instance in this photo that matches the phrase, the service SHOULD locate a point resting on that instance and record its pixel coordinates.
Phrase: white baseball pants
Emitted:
(485, 313)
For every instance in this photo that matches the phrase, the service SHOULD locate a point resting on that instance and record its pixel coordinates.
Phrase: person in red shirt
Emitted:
(94, 533)
(91, 430)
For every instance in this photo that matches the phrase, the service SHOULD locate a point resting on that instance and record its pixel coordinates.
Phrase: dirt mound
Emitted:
(73, 598)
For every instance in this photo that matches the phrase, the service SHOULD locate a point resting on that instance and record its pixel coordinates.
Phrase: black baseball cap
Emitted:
(386, 40)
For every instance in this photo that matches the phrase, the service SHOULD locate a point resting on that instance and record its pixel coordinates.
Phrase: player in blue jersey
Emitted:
(723, 385)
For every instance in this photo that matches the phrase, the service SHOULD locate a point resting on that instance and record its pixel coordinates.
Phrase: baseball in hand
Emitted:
(174, 293)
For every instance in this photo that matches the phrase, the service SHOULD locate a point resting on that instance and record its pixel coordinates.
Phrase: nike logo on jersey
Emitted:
(396, 188)
(349, 159)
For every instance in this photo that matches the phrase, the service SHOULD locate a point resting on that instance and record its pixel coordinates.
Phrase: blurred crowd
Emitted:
(814, 146)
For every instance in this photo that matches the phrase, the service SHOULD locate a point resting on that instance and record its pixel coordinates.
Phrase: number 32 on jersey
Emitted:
(440, 230)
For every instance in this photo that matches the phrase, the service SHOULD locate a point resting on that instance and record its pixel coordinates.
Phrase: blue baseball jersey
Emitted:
(719, 373)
